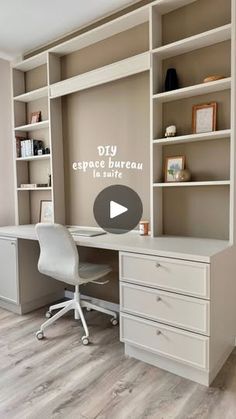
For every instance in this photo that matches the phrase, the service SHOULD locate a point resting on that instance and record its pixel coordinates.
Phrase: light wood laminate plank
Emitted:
(60, 378)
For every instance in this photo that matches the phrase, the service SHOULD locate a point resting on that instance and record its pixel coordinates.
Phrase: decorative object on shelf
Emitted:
(46, 212)
(47, 150)
(170, 131)
(35, 117)
(173, 165)
(49, 180)
(28, 185)
(143, 228)
(182, 175)
(204, 117)
(18, 146)
(213, 78)
(171, 81)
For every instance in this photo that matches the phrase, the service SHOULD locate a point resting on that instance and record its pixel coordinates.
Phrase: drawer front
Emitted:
(184, 277)
(177, 310)
(166, 341)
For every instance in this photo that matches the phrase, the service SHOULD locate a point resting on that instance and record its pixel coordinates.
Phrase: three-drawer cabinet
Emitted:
(165, 308)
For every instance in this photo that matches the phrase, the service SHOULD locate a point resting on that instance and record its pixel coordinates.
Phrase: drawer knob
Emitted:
(158, 299)
(158, 265)
(158, 332)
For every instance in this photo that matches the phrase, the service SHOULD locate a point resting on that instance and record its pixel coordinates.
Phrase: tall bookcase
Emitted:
(30, 89)
(196, 47)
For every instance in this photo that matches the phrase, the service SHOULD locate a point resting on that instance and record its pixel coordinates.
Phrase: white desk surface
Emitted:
(200, 250)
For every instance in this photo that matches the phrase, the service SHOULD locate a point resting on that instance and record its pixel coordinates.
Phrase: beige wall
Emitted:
(115, 114)
(6, 159)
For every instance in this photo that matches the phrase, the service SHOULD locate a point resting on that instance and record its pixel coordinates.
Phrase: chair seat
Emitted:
(89, 272)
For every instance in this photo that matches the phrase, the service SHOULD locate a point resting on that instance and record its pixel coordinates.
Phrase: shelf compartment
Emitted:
(31, 63)
(121, 69)
(32, 127)
(215, 135)
(34, 95)
(189, 184)
(192, 43)
(34, 189)
(34, 158)
(197, 90)
(116, 26)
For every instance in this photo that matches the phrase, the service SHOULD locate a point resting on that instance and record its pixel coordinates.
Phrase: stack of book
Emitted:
(27, 147)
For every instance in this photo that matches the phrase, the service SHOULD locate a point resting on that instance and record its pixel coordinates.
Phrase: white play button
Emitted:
(116, 209)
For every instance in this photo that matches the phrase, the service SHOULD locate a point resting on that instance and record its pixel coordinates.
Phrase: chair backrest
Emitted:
(58, 253)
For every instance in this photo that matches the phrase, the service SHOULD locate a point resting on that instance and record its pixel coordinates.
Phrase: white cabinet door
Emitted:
(8, 270)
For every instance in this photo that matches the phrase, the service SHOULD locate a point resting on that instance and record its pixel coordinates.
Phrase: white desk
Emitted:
(200, 250)
(177, 295)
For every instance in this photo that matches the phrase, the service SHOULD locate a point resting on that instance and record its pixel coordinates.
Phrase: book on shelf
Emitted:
(27, 147)
(33, 185)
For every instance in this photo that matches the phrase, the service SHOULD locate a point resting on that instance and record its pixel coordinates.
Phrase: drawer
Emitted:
(177, 310)
(175, 275)
(181, 346)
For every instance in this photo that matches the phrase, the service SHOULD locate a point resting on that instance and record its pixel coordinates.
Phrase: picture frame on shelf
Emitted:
(46, 211)
(173, 165)
(204, 117)
(35, 117)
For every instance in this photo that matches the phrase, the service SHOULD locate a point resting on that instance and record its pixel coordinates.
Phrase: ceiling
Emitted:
(27, 24)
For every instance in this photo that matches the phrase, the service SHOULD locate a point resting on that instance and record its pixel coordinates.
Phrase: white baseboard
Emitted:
(97, 301)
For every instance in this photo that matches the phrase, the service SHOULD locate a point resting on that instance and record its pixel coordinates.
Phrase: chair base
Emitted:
(76, 304)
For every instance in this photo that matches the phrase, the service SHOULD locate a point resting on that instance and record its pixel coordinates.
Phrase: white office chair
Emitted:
(59, 259)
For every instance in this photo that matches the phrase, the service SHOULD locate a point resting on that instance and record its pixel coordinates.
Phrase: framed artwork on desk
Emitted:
(46, 212)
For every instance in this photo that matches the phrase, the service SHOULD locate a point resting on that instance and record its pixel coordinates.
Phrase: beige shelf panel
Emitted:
(34, 158)
(190, 184)
(215, 135)
(192, 43)
(33, 127)
(121, 69)
(197, 90)
(34, 95)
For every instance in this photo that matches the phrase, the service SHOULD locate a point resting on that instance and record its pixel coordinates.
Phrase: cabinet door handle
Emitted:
(158, 299)
(158, 332)
(13, 243)
(158, 265)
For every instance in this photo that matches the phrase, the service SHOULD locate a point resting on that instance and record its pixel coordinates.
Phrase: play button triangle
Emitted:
(116, 209)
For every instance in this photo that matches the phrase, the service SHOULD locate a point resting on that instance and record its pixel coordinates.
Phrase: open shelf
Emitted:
(33, 158)
(189, 184)
(202, 40)
(121, 69)
(34, 95)
(35, 189)
(32, 62)
(197, 90)
(215, 135)
(33, 127)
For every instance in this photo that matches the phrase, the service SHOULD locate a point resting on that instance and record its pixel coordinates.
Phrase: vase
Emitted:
(171, 82)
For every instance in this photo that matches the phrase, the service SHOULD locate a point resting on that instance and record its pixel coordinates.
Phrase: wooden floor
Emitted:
(60, 378)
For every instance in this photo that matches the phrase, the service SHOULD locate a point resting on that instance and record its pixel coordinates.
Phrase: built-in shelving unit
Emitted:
(192, 51)
(41, 81)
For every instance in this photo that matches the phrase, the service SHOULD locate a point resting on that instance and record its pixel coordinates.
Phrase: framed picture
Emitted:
(172, 165)
(204, 118)
(46, 212)
(35, 117)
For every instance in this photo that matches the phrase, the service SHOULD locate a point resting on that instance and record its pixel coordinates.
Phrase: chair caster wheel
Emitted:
(114, 321)
(48, 314)
(88, 309)
(39, 335)
(85, 340)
